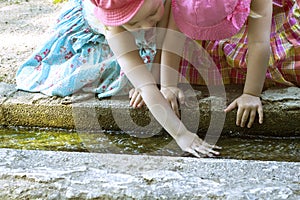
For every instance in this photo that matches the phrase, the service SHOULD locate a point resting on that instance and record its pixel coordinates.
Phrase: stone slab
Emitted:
(68, 175)
(87, 113)
(6, 90)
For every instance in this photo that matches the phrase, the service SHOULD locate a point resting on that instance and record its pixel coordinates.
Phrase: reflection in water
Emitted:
(276, 149)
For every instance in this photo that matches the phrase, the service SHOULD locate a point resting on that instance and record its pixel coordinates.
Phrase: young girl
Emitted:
(56, 69)
(237, 34)
(107, 47)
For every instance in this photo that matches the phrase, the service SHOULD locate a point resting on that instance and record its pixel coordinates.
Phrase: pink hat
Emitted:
(210, 19)
(116, 12)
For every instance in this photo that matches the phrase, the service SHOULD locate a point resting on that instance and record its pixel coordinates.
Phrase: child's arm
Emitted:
(136, 71)
(170, 60)
(134, 95)
(258, 56)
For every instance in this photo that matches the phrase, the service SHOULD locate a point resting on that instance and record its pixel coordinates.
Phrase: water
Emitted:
(249, 148)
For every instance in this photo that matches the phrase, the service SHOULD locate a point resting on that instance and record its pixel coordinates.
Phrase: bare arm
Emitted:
(170, 59)
(171, 55)
(258, 56)
(136, 100)
(259, 46)
(162, 25)
(136, 71)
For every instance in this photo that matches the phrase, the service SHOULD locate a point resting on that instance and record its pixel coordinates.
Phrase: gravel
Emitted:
(24, 26)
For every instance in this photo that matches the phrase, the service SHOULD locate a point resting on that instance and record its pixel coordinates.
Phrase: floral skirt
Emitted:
(76, 58)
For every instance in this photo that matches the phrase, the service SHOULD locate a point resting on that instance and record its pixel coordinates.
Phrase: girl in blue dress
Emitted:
(89, 53)
(77, 57)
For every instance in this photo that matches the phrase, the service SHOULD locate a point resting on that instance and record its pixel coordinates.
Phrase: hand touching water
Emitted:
(191, 143)
(187, 141)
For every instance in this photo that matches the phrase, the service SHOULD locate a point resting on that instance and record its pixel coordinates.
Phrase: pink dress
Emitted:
(230, 54)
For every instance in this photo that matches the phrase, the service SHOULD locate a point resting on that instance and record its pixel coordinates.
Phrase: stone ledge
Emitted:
(17, 108)
(68, 175)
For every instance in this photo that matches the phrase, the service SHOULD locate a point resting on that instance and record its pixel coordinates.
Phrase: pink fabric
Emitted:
(240, 8)
(210, 19)
(116, 12)
(230, 55)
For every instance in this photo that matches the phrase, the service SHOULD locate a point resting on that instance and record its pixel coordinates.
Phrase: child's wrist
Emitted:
(252, 94)
(185, 140)
(252, 91)
(168, 83)
(166, 86)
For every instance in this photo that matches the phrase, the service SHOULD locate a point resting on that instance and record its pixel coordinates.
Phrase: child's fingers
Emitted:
(131, 93)
(210, 149)
(231, 106)
(260, 114)
(181, 97)
(204, 148)
(137, 100)
(210, 152)
(141, 103)
(133, 98)
(193, 152)
(214, 152)
(216, 147)
(245, 117)
(252, 118)
(211, 146)
(174, 106)
(205, 151)
(239, 115)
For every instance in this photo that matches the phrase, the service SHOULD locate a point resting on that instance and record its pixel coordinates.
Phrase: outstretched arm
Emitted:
(258, 56)
(142, 79)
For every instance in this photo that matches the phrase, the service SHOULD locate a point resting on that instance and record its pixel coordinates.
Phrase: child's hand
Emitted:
(247, 105)
(136, 100)
(171, 94)
(192, 144)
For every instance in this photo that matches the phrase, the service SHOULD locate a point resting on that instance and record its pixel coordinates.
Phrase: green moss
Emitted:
(105, 142)
(58, 1)
(41, 140)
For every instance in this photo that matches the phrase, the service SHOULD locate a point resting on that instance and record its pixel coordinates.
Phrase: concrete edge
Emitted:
(17, 108)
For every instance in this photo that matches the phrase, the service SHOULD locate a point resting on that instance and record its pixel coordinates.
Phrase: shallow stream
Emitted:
(249, 148)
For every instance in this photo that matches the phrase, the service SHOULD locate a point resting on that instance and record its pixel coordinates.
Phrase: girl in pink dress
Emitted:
(255, 43)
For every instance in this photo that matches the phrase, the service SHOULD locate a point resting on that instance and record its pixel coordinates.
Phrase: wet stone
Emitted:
(282, 94)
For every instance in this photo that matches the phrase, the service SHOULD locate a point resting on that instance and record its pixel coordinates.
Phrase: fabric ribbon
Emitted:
(240, 8)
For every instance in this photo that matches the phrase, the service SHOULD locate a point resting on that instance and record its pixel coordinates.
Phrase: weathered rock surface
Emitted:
(85, 112)
(62, 175)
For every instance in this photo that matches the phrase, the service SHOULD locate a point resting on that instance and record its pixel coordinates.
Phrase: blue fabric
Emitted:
(77, 58)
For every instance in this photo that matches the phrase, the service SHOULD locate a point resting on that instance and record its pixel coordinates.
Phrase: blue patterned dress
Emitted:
(77, 58)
